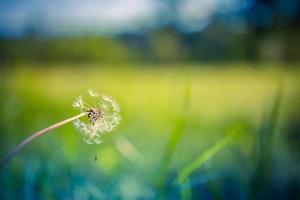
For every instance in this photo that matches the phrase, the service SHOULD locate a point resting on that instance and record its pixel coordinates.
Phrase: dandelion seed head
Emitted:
(103, 115)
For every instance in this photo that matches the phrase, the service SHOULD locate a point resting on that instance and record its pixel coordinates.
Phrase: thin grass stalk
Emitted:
(176, 135)
(265, 144)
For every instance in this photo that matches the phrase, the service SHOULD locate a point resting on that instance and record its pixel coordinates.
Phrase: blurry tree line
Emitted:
(270, 33)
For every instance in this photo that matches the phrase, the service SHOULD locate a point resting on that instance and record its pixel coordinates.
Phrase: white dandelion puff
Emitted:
(103, 116)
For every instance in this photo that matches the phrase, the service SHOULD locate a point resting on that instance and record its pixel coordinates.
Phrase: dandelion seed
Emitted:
(93, 93)
(103, 116)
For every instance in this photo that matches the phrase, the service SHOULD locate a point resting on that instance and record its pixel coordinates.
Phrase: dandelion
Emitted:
(102, 117)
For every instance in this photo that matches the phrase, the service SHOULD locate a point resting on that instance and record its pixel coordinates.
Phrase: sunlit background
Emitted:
(209, 92)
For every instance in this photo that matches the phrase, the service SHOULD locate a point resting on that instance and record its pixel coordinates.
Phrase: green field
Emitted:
(200, 103)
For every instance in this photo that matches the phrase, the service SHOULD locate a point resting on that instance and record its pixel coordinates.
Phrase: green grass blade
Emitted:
(177, 132)
(208, 154)
(127, 149)
(265, 143)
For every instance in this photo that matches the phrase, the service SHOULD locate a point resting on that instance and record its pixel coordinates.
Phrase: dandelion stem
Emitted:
(35, 135)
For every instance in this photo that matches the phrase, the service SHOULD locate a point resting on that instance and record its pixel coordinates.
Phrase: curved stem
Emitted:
(35, 135)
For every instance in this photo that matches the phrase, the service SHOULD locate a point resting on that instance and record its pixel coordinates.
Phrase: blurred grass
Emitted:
(152, 101)
(232, 134)
(263, 174)
(176, 134)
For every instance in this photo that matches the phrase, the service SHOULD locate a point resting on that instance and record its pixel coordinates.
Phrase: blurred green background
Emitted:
(210, 101)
